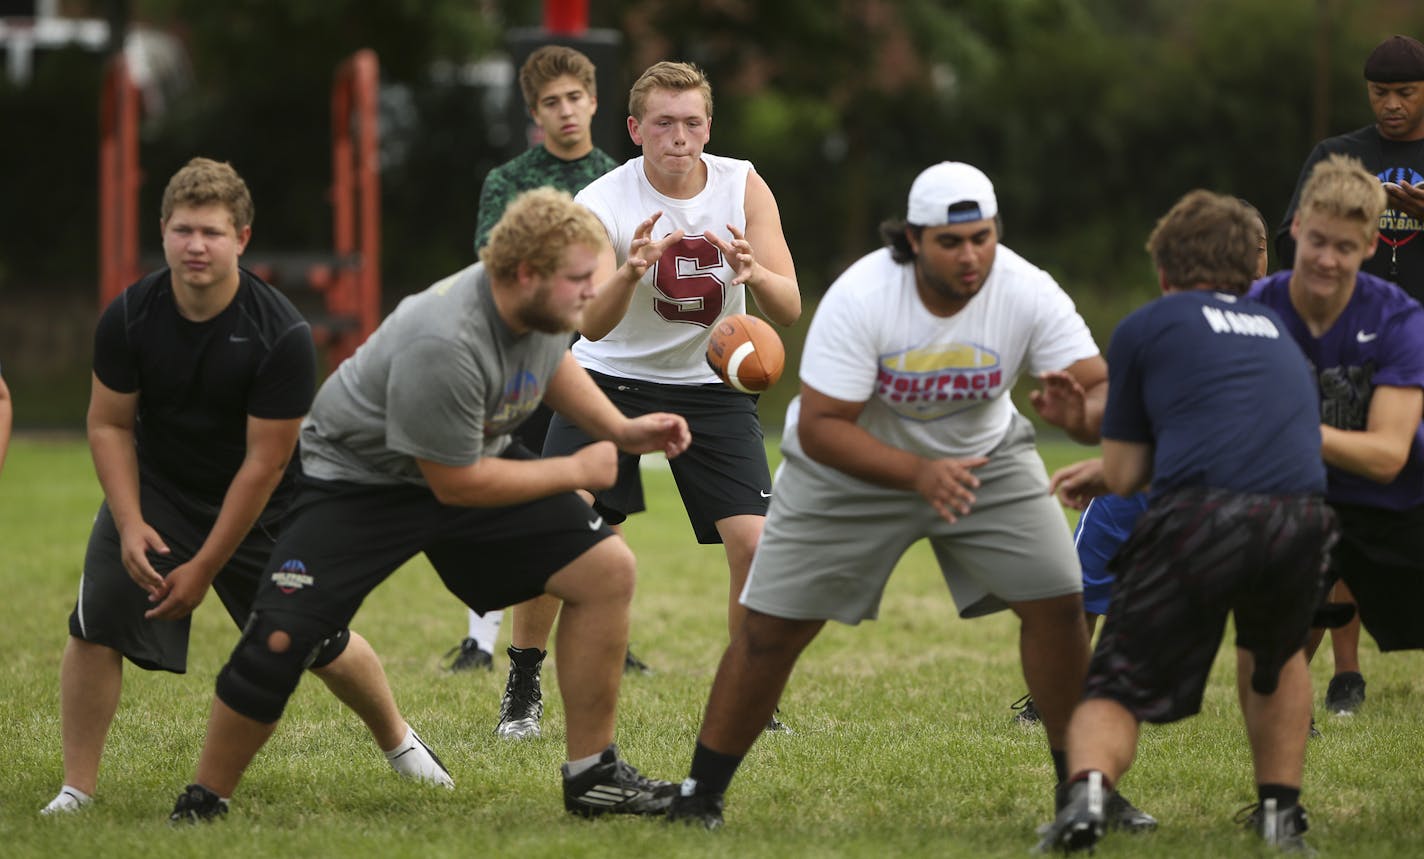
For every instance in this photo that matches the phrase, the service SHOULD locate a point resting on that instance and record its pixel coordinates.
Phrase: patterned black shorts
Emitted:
(1196, 556)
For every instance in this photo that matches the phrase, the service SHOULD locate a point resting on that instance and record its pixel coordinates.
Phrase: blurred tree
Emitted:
(1090, 115)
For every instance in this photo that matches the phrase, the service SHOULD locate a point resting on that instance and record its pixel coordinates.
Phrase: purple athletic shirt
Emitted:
(1378, 340)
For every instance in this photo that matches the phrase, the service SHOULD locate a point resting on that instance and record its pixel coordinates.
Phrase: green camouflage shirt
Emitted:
(534, 168)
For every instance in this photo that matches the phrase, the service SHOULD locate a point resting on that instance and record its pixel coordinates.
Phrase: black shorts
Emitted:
(1381, 557)
(110, 607)
(722, 473)
(1195, 556)
(346, 538)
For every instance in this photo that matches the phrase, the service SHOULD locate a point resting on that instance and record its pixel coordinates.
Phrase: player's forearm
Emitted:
(1367, 454)
(116, 465)
(246, 498)
(1089, 431)
(777, 295)
(496, 482)
(608, 307)
(845, 446)
(6, 424)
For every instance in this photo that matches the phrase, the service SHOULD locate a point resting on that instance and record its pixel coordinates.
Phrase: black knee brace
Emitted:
(331, 647)
(267, 663)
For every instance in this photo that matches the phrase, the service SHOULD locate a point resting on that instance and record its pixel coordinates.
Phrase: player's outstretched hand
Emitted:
(948, 484)
(657, 431)
(643, 251)
(1079, 483)
(1061, 401)
(1406, 197)
(598, 465)
(182, 592)
(135, 544)
(737, 253)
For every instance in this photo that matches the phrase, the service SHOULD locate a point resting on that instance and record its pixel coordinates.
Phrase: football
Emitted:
(746, 353)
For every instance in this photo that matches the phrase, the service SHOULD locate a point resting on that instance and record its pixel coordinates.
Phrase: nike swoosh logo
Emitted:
(233, 338)
(765, 494)
(1365, 338)
(596, 524)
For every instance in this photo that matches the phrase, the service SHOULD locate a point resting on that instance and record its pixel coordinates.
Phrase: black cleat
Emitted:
(776, 726)
(1081, 818)
(1025, 712)
(1346, 693)
(523, 704)
(197, 804)
(468, 657)
(1283, 828)
(704, 809)
(634, 665)
(1123, 816)
(614, 786)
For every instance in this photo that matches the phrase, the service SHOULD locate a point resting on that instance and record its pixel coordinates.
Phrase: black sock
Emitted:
(712, 771)
(526, 657)
(1284, 795)
(1060, 764)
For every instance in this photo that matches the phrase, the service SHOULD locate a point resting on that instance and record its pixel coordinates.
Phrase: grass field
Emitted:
(903, 742)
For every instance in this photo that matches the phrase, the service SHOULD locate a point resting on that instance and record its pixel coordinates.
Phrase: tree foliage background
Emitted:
(1091, 116)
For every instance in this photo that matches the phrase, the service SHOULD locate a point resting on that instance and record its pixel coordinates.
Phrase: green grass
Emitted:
(903, 742)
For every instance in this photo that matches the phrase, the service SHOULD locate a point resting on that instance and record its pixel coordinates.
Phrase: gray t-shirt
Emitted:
(442, 379)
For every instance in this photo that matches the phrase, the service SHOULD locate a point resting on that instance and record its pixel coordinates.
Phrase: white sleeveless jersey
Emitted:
(663, 336)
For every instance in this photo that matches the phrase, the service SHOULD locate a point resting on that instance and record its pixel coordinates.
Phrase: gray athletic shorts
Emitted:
(110, 607)
(831, 541)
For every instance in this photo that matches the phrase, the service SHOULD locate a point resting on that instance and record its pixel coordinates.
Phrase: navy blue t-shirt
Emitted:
(1222, 393)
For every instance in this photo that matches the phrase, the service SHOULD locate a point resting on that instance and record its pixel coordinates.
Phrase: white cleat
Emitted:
(414, 760)
(68, 801)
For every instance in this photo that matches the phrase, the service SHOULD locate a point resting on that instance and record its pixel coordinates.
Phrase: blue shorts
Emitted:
(1101, 531)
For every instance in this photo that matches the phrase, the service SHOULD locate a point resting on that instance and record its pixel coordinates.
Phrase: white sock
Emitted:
(573, 768)
(413, 759)
(484, 629)
(70, 799)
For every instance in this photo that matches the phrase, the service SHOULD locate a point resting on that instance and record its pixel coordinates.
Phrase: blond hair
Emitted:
(203, 182)
(550, 63)
(1341, 187)
(1209, 239)
(536, 229)
(678, 77)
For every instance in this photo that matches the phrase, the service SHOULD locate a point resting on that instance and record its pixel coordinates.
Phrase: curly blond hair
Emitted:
(203, 182)
(536, 229)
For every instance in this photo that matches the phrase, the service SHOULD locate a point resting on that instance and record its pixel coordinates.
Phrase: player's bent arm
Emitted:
(270, 444)
(1380, 451)
(7, 417)
(491, 481)
(1092, 374)
(1127, 466)
(573, 393)
(110, 427)
(773, 279)
(616, 285)
(829, 434)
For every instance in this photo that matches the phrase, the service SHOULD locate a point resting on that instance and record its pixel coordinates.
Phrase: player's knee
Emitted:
(267, 664)
(605, 575)
(621, 572)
